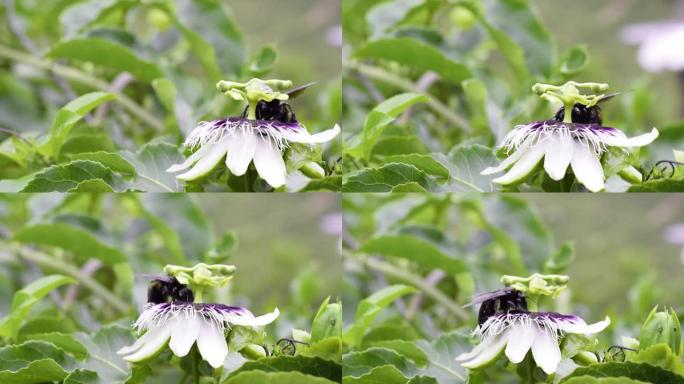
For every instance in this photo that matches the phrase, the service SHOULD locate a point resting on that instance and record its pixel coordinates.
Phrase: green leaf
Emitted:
(103, 359)
(659, 185)
(64, 177)
(399, 145)
(223, 248)
(408, 349)
(385, 178)
(385, 374)
(465, 162)
(416, 250)
(329, 183)
(24, 299)
(328, 349)
(575, 61)
(81, 376)
(425, 163)
(415, 54)
(379, 118)
(411, 187)
(601, 380)
(94, 185)
(313, 366)
(70, 238)
(369, 308)
(559, 261)
(441, 354)
(476, 96)
(327, 322)
(34, 372)
(251, 377)
(64, 341)
(262, 63)
(151, 163)
(360, 363)
(629, 370)
(68, 116)
(106, 54)
(166, 92)
(113, 161)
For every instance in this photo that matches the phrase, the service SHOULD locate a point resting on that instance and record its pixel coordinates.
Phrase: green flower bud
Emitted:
(253, 352)
(631, 175)
(463, 18)
(661, 328)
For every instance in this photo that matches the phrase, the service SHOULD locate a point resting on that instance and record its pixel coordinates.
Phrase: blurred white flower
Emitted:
(661, 44)
(674, 234)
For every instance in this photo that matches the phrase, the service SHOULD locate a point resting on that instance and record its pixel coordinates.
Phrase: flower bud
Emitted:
(661, 328)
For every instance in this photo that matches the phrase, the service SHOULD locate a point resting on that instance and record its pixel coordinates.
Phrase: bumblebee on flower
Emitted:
(575, 138)
(261, 135)
(176, 316)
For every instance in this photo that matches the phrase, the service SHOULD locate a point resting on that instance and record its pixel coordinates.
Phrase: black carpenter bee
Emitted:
(581, 114)
(277, 110)
(500, 301)
(165, 289)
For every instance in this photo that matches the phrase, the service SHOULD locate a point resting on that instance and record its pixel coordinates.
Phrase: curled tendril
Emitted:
(616, 353)
(663, 167)
(288, 346)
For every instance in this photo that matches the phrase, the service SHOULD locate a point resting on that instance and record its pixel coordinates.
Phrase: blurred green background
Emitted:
(598, 24)
(620, 250)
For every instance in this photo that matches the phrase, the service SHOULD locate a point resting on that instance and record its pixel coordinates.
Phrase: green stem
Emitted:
(78, 76)
(86, 281)
(410, 278)
(251, 110)
(437, 106)
(567, 116)
(195, 365)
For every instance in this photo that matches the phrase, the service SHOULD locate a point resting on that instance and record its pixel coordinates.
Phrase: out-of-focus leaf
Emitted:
(26, 298)
(476, 95)
(465, 162)
(68, 116)
(307, 365)
(113, 161)
(106, 54)
(262, 63)
(385, 178)
(251, 377)
(151, 163)
(360, 363)
(64, 177)
(634, 371)
(575, 61)
(408, 349)
(329, 183)
(415, 54)
(659, 185)
(70, 238)
(182, 224)
(425, 163)
(33, 362)
(560, 260)
(223, 248)
(415, 250)
(441, 354)
(385, 15)
(379, 118)
(369, 308)
(103, 359)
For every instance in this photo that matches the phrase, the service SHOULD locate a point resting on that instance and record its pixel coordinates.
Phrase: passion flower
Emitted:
(169, 319)
(260, 135)
(575, 138)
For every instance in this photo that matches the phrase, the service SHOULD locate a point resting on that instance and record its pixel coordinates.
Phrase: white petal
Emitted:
(581, 327)
(247, 319)
(557, 156)
(212, 344)
(207, 163)
(545, 351)
(520, 340)
(191, 160)
(507, 161)
(587, 168)
(240, 152)
(524, 166)
(303, 136)
(488, 353)
(155, 340)
(269, 163)
(184, 332)
(618, 139)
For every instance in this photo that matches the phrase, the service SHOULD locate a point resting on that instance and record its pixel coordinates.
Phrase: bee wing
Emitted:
(482, 297)
(149, 276)
(608, 97)
(295, 92)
